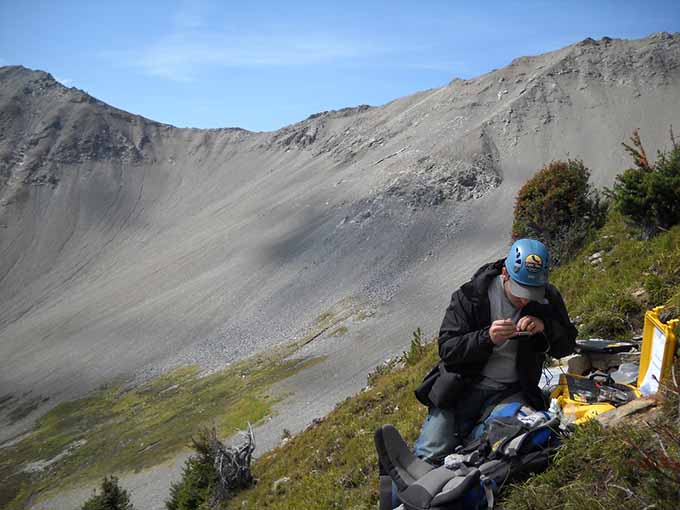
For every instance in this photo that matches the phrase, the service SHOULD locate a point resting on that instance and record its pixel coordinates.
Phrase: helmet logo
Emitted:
(518, 261)
(534, 263)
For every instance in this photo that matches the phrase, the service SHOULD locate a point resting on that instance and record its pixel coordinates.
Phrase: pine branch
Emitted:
(637, 151)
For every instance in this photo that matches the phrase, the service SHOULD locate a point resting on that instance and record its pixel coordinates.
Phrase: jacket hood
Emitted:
(479, 284)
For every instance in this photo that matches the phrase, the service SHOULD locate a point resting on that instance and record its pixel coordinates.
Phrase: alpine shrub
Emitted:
(649, 194)
(417, 349)
(112, 497)
(214, 474)
(559, 207)
(199, 479)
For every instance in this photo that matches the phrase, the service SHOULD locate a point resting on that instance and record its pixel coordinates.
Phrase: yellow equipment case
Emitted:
(582, 398)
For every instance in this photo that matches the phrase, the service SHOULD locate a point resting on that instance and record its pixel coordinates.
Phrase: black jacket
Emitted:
(465, 345)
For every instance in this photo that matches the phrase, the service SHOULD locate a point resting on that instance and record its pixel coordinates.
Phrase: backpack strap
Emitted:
(441, 487)
(385, 488)
(396, 460)
(488, 484)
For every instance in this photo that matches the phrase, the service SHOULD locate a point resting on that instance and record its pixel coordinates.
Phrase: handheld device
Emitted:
(519, 334)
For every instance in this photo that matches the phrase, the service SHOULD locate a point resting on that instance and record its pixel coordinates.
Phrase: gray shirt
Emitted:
(501, 369)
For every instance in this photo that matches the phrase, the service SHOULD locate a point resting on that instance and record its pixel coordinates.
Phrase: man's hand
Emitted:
(531, 324)
(501, 330)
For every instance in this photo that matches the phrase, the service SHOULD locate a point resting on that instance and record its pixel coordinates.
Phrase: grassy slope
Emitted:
(333, 464)
(635, 466)
(601, 298)
(116, 430)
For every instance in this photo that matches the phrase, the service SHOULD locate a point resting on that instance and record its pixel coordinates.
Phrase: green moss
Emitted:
(342, 330)
(115, 430)
(325, 318)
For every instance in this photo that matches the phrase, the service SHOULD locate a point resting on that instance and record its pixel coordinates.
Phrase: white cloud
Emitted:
(179, 57)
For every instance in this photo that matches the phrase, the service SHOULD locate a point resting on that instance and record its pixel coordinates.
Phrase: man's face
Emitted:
(517, 302)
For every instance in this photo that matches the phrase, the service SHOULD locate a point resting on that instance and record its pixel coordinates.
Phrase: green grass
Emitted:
(120, 430)
(342, 330)
(602, 297)
(333, 464)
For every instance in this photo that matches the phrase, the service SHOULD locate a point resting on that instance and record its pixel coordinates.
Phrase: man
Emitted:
(493, 341)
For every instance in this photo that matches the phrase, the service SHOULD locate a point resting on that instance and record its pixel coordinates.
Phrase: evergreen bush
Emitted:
(559, 207)
(417, 349)
(214, 474)
(649, 194)
(112, 497)
(199, 479)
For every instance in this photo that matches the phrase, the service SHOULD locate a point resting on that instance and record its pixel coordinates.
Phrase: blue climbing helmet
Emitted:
(528, 265)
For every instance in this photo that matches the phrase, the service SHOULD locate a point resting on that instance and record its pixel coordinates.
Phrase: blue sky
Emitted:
(263, 65)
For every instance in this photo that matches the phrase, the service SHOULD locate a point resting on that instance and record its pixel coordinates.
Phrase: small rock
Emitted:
(595, 259)
(280, 485)
(605, 361)
(578, 364)
(640, 294)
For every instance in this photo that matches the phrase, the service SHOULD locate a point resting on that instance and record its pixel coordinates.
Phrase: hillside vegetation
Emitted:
(120, 429)
(607, 286)
(333, 464)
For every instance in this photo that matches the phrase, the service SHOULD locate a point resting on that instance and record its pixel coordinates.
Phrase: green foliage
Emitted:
(649, 194)
(615, 469)
(559, 207)
(381, 370)
(416, 350)
(112, 497)
(196, 488)
(214, 474)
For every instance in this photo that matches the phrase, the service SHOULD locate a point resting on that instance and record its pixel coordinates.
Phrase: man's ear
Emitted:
(504, 272)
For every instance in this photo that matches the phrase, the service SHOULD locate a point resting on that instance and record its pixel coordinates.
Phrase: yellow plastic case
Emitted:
(658, 350)
(577, 396)
(656, 359)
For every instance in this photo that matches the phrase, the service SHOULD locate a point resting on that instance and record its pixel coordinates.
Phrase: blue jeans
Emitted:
(445, 429)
